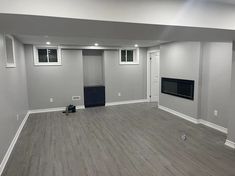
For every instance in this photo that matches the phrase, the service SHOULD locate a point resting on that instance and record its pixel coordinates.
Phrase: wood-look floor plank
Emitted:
(125, 140)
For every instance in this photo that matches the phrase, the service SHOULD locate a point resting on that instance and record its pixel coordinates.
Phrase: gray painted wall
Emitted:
(63, 82)
(216, 82)
(209, 64)
(93, 67)
(180, 60)
(129, 80)
(154, 48)
(13, 96)
(57, 82)
(231, 124)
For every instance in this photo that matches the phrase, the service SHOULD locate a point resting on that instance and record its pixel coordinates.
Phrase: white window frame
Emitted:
(10, 65)
(36, 58)
(135, 56)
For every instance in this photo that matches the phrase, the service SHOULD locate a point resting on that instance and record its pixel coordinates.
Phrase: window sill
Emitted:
(10, 65)
(47, 64)
(129, 63)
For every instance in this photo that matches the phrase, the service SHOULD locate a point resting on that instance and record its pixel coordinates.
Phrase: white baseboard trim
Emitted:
(214, 126)
(186, 117)
(8, 153)
(193, 120)
(83, 107)
(126, 102)
(13, 142)
(34, 111)
(230, 144)
(53, 109)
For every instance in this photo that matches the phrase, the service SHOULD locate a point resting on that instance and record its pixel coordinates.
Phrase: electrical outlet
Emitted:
(76, 98)
(51, 100)
(119, 94)
(215, 113)
(17, 117)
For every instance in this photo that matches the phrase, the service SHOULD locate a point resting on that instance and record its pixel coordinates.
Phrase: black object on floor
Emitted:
(70, 109)
(94, 96)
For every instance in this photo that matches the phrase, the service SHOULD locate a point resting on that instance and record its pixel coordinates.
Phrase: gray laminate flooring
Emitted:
(125, 140)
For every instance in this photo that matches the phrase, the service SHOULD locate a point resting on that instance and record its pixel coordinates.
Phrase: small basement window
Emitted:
(10, 51)
(47, 55)
(129, 56)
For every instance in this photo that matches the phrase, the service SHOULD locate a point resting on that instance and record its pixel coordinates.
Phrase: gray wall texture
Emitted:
(231, 124)
(57, 82)
(13, 96)
(180, 60)
(129, 80)
(215, 82)
(63, 82)
(93, 67)
(209, 64)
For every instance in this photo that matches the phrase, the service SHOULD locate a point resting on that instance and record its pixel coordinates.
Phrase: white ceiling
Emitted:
(221, 1)
(118, 22)
(82, 41)
(194, 13)
(34, 29)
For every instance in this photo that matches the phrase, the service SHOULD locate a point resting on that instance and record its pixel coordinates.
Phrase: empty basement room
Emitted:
(117, 88)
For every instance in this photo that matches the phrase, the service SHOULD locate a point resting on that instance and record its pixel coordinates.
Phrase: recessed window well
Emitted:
(129, 56)
(47, 55)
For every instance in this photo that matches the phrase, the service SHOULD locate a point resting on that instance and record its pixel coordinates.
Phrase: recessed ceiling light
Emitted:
(48, 43)
(136, 45)
(96, 44)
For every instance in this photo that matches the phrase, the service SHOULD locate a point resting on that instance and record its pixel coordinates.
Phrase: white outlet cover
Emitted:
(17, 117)
(51, 100)
(119, 94)
(215, 113)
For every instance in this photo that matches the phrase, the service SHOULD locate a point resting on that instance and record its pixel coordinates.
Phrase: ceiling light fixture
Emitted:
(48, 43)
(136, 45)
(96, 44)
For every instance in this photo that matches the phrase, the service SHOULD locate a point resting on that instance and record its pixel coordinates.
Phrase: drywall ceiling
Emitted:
(215, 1)
(85, 41)
(194, 13)
(33, 29)
(221, 1)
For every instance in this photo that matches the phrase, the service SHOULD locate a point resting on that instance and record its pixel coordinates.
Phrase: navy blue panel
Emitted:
(94, 96)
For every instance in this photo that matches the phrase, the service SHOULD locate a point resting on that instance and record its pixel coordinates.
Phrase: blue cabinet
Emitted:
(94, 96)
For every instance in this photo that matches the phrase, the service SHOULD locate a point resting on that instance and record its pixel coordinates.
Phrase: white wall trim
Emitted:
(193, 120)
(53, 109)
(230, 144)
(126, 102)
(136, 56)
(34, 111)
(36, 60)
(13, 142)
(148, 73)
(214, 126)
(83, 107)
(183, 116)
(10, 65)
(196, 121)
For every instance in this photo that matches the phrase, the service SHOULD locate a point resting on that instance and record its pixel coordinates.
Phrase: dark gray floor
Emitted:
(126, 140)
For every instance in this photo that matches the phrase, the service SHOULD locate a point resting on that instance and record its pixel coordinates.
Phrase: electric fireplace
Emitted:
(178, 87)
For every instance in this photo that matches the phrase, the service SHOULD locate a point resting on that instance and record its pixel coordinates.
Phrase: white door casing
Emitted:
(153, 76)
